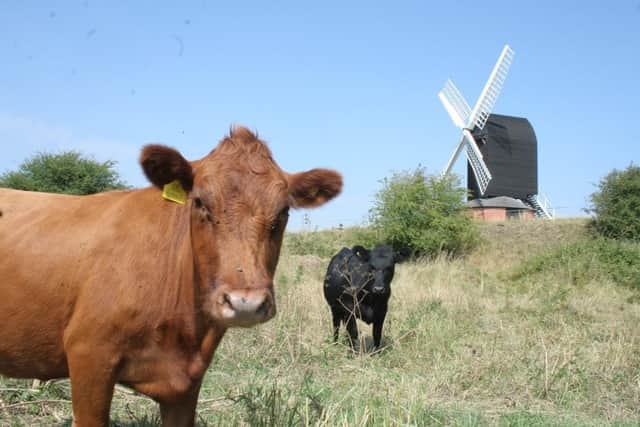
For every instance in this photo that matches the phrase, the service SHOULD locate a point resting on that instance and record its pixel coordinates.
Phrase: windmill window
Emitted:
(515, 213)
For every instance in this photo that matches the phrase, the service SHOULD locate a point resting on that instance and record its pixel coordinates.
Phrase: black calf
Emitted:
(358, 285)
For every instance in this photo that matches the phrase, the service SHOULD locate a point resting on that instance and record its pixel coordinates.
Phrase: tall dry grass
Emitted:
(465, 344)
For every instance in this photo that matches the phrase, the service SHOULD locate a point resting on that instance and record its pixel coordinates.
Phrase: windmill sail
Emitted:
(454, 156)
(492, 88)
(469, 120)
(455, 104)
(480, 170)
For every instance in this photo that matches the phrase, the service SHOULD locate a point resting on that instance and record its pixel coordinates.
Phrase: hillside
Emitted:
(535, 327)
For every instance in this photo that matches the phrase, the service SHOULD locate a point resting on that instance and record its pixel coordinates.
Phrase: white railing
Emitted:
(542, 205)
(546, 206)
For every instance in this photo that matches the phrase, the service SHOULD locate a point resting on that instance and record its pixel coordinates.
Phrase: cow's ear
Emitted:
(313, 188)
(402, 254)
(361, 253)
(162, 165)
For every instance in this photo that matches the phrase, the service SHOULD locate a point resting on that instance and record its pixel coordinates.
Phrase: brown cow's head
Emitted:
(239, 201)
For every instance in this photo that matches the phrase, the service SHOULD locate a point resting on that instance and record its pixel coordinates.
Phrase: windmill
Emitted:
(501, 150)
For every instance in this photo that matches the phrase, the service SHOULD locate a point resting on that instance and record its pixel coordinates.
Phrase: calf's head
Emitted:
(372, 270)
(238, 201)
(382, 260)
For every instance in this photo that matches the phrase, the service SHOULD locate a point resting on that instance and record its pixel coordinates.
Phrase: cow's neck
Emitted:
(208, 344)
(207, 334)
(187, 290)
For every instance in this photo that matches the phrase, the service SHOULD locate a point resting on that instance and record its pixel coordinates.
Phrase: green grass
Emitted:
(326, 243)
(537, 327)
(589, 259)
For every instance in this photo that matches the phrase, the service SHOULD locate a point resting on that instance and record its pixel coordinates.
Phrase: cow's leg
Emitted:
(181, 412)
(92, 383)
(352, 328)
(377, 327)
(336, 317)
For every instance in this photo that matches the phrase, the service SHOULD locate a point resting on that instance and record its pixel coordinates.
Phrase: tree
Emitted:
(425, 213)
(616, 205)
(67, 172)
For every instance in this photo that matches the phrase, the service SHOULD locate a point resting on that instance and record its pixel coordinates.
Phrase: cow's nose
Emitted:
(377, 290)
(247, 307)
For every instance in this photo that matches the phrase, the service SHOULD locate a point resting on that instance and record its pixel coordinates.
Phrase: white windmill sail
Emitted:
(479, 167)
(491, 90)
(455, 104)
(467, 119)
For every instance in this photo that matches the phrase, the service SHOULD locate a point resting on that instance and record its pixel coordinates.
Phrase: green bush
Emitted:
(68, 172)
(616, 205)
(424, 213)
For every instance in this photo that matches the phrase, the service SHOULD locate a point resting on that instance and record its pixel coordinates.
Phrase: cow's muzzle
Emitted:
(247, 307)
(378, 289)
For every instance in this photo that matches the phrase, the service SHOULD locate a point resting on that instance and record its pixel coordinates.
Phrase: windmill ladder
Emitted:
(543, 210)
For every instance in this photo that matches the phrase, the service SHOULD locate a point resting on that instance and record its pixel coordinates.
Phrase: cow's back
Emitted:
(335, 280)
(39, 242)
(63, 256)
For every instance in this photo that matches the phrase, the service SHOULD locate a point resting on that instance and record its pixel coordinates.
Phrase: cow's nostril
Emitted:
(247, 307)
(227, 300)
(263, 309)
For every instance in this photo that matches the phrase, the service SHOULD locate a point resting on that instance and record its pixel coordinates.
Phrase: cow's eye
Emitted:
(280, 219)
(205, 213)
(276, 224)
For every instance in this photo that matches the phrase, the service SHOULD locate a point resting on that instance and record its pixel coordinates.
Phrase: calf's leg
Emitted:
(336, 317)
(377, 328)
(352, 328)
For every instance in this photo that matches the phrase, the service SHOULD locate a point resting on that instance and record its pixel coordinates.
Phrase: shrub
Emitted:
(616, 205)
(425, 213)
(68, 172)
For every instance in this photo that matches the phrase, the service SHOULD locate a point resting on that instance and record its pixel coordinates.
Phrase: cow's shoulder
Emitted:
(344, 253)
(338, 265)
(339, 260)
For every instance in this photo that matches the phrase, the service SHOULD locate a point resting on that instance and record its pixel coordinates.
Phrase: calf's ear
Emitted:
(402, 255)
(162, 165)
(313, 188)
(361, 253)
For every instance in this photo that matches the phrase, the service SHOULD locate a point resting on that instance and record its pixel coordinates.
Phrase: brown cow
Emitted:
(126, 287)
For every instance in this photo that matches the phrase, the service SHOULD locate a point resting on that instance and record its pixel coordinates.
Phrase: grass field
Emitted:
(538, 327)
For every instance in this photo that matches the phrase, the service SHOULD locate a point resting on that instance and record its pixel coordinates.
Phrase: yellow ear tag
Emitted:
(173, 191)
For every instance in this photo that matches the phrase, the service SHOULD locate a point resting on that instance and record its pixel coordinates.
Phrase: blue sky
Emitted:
(347, 85)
